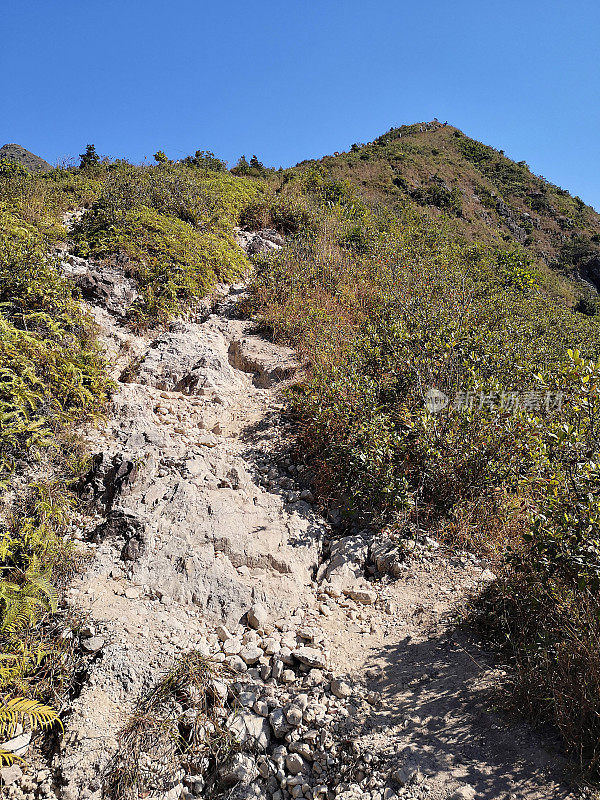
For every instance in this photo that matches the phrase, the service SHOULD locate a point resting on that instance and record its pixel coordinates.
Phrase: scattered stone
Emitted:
(294, 715)
(279, 723)
(340, 688)
(257, 617)
(251, 653)
(11, 774)
(310, 657)
(93, 645)
(466, 792)
(295, 763)
(240, 769)
(364, 596)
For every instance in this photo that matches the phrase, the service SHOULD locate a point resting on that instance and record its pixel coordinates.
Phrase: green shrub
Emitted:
(174, 225)
(439, 196)
(387, 306)
(205, 160)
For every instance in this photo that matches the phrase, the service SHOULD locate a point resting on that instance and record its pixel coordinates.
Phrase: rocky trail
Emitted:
(351, 679)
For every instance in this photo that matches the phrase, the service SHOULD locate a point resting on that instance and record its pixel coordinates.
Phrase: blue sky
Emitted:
(291, 80)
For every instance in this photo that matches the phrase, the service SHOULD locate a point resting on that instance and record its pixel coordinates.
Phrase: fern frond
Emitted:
(18, 710)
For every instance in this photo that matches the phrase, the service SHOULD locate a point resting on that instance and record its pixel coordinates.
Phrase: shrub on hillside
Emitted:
(205, 159)
(386, 308)
(439, 196)
(173, 225)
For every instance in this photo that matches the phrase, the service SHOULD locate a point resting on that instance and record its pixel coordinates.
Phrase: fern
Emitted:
(20, 711)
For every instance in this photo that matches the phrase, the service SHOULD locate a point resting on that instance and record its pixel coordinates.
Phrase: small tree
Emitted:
(255, 168)
(90, 158)
(242, 167)
(206, 160)
(161, 158)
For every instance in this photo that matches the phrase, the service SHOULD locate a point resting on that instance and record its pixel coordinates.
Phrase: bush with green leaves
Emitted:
(174, 225)
(52, 376)
(204, 159)
(386, 306)
(439, 196)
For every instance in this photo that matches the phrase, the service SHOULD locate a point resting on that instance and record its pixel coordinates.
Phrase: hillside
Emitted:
(265, 437)
(18, 155)
(490, 197)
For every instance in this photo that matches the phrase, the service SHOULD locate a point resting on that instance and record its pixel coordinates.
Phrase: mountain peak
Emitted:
(19, 155)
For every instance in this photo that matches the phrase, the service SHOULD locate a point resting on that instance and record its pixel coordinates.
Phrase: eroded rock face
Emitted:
(267, 362)
(182, 522)
(105, 285)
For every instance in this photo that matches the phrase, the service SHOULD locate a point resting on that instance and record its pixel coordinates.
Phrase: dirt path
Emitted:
(436, 687)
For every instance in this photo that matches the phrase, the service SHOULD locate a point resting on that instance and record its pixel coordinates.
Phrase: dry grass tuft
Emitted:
(177, 725)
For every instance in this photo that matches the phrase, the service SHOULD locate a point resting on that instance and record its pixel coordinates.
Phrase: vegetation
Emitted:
(19, 710)
(52, 376)
(206, 160)
(388, 304)
(90, 158)
(173, 227)
(178, 722)
(500, 200)
(411, 263)
(253, 168)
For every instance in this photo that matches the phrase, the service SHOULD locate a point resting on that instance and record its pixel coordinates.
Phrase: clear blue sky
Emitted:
(290, 80)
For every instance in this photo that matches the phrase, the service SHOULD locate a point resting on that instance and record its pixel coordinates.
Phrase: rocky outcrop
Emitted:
(104, 285)
(511, 220)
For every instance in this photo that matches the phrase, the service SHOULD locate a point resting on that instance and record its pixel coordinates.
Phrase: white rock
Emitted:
(257, 616)
(250, 729)
(251, 653)
(293, 714)
(232, 647)
(10, 775)
(340, 688)
(466, 792)
(311, 657)
(240, 769)
(364, 596)
(261, 708)
(279, 723)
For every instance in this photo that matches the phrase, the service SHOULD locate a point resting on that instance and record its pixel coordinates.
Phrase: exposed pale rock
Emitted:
(311, 657)
(295, 763)
(257, 616)
(340, 688)
(364, 596)
(250, 729)
(11, 774)
(251, 653)
(279, 723)
(241, 768)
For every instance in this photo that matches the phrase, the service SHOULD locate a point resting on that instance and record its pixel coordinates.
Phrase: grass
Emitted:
(178, 723)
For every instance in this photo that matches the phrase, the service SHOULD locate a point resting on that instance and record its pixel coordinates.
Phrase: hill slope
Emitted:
(490, 197)
(393, 279)
(19, 155)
